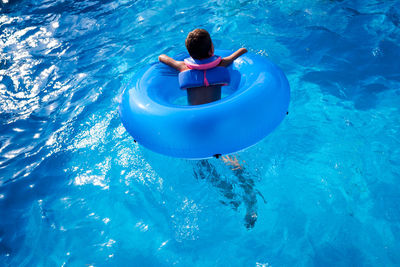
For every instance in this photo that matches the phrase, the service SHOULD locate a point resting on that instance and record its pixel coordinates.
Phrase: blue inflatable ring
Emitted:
(253, 105)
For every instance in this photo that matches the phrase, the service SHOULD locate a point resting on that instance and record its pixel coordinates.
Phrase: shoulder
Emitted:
(224, 62)
(182, 66)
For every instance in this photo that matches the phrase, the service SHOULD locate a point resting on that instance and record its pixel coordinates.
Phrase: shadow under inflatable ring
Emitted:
(257, 101)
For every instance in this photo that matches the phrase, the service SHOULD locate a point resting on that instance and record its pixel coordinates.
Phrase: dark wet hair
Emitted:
(198, 44)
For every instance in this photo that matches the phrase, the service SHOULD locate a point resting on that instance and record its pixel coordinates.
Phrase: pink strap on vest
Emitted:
(205, 79)
(206, 66)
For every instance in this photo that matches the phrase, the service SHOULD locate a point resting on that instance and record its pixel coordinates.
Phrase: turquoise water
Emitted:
(321, 190)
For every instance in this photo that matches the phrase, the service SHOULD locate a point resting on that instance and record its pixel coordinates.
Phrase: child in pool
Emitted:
(200, 46)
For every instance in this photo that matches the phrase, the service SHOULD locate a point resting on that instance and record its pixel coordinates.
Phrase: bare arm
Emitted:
(226, 61)
(178, 65)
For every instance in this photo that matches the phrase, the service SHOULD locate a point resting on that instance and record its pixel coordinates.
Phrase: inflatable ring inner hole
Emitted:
(164, 95)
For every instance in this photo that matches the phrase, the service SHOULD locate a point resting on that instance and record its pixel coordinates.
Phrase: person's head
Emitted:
(199, 44)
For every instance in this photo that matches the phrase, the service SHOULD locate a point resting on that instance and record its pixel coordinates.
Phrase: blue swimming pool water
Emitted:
(321, 190)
